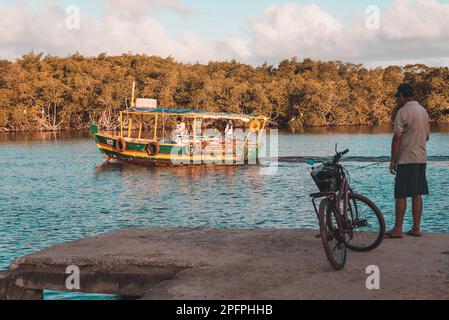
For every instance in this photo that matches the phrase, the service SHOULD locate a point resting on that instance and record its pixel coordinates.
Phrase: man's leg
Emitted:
(401, 207)
(417, 207)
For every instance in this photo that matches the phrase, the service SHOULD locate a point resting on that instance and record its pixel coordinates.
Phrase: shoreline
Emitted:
(439, 127)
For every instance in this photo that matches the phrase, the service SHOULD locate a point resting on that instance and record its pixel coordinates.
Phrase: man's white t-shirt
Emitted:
(412, 121)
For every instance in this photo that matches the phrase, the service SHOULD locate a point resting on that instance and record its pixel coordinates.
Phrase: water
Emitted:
(54, 189)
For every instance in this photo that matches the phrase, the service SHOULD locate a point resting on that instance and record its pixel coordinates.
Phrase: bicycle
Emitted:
(343, 223)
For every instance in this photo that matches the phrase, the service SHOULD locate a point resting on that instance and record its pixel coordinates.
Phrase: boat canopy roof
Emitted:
(197, 114)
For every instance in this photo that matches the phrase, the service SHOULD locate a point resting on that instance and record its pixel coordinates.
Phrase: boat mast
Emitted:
(133, 104)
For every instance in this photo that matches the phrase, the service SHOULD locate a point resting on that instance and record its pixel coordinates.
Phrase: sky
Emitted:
(372, 32)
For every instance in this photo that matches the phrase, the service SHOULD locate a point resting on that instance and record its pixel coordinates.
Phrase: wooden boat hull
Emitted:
(173, 155)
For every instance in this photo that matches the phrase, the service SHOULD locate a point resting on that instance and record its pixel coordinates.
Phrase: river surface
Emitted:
(54, 188)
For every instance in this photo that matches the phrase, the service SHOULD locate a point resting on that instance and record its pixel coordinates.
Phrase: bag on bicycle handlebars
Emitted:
(327, 178)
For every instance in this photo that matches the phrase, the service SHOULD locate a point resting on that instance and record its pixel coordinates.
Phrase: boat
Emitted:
(152, 136)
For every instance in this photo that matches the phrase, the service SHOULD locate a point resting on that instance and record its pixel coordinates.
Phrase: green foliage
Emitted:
(40, 93)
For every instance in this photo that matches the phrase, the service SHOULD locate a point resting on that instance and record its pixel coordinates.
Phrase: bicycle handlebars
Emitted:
(336, 159)
(339, 155)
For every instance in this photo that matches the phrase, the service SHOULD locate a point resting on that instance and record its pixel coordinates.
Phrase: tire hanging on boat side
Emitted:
(153, 149)
(120, 144)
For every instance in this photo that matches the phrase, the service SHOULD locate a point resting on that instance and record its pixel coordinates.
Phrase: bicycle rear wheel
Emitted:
(367, 223)
(333, 240)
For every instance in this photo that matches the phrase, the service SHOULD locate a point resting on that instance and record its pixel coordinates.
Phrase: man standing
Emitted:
(409, 159)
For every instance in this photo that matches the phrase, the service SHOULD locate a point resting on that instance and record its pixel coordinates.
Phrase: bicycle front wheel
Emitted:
(367, 223)
(331, 236)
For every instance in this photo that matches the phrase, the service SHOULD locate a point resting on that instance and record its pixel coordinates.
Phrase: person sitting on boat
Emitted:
(229, 131)
(197, 127)
(179, 133)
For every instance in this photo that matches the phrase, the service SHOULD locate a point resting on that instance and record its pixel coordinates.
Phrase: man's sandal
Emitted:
(412, 234)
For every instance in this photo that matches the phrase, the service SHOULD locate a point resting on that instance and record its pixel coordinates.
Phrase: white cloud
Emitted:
(410, 31)
(122, 28)
(233, 48)
(294, 30)
(423, 19)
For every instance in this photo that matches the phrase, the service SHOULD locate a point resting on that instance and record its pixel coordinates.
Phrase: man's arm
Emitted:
(395, 145)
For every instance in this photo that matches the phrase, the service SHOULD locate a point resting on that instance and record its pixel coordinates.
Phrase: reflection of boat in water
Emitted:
(142, 137)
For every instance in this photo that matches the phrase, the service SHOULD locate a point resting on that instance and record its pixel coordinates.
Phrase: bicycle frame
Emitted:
(335, 199)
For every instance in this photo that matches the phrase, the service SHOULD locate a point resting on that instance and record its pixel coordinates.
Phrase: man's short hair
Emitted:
(406, 89)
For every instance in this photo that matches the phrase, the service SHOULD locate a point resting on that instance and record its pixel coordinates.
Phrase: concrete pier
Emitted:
(177, 263)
